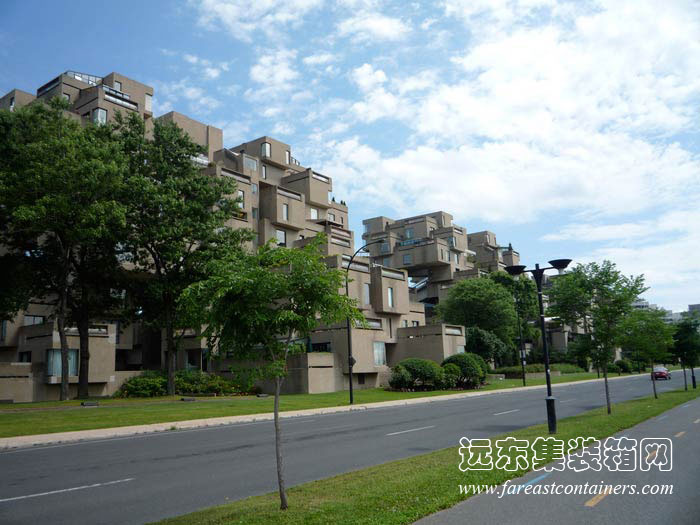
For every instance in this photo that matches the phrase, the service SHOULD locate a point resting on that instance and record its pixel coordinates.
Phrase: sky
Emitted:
(571, 129)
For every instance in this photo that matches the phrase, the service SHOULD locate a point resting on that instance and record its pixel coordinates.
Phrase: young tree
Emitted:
(486, 345)
(56, 192)
(646, 332)
(686, 345)
(177, 221)
(482, 303)
(256, 305)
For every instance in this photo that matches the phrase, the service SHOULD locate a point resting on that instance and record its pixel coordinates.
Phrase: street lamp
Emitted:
(351, 359)
(520, 336)
(538, 273)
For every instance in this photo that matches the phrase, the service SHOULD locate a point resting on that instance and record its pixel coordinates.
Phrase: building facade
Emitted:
(281, 201)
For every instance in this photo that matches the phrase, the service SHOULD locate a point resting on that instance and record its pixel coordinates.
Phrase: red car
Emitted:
(661, 373)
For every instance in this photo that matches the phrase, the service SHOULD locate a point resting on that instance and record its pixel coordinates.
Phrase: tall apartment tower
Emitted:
(435, 252)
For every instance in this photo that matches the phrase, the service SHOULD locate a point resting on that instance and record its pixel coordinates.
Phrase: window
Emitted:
(321, 347)
(12, 103)
(281, 237)
(365, 293)
(254, 188)
(449, 256)
(33, 319)
(287, 157)
(331, 217)
(25, 357)
(250, 163)
(456, 258)
(314, 213)
(66, 96)
(360, 379)
(384, 247)
(117, 85)
(409, 233)
(374, 323)
(285, 212)
(390, 295)
(148, 106)
(99, 116)
(442, 253)
(405, 323)
(408, 259)
(366, 226)
(3, 330)
(379, 353)
(265, 149)
(255, 213)
(53, 362)
(460, 349)
(264, 171)
(241, 197)
(341, 220)
(387, 261)
(415, 323)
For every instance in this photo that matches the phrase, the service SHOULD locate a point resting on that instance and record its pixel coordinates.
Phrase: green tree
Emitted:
(482, 303)
(57, 195)
(176, 218)
(646, 333)
(686, 344)
(486, 345)
(255, 306)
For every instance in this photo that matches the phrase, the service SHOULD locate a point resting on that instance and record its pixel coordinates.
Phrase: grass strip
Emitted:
(405, 490)
(65, 416)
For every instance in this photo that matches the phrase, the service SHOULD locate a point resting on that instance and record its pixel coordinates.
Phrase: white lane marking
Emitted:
(696, 421)
(680, 434)
(566, 401)
(506, 412)
(662, 417)
(83, 487)
(411, 430)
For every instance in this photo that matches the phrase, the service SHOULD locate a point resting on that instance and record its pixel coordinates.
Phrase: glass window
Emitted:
(314, 213)
(250, 163)
(25, 357)
(241, 197)
(285, 212)
(254, 188)
(415, 323)
(12, 103)
(341, 220)
(384, 247)
(456, 258)
(387, 261)
(331, 217)
(366, 226)
(460, 349)
(405, 323)
(117, 85)
(379, 353)
(408, 259)
(281, 238)
(264, 171)
(53, 362)
(409, 233)
(148, 106)
(33, 319)
(265, 149)
(66, 96)
(255, 213)
(365, 293)
(390, 295)
(287, 157)
(375, 323)
(99, 116)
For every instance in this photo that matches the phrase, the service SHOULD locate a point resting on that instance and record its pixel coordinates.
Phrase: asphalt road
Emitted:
(144, 478)
(681, 507)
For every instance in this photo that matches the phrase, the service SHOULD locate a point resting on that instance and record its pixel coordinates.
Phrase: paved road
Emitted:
(681, 425)
(144, 478)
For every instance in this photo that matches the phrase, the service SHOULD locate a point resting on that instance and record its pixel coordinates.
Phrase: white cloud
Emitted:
(320, 59)
(204, 67)
(368, 78)
(244, 20)
(369, 26)
(275, 69)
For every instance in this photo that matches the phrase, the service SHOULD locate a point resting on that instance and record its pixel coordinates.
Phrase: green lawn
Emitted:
(406, 490)
(61, 416)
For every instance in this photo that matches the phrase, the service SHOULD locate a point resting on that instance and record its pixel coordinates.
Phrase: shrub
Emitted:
(624, 365)
(423, 371)
(400, 378)
(485, 368)
(469, 368)
(198, 382)
(613, 368)
(450, 376)
(150, 383)
(566, 368)
(485, 344)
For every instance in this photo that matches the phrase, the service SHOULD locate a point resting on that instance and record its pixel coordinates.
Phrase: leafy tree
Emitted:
(57, 196)
(686, 344)
(646, 332)
(255, 305)
(482, 303)
(571, 297)
(486, 345)
(524, 292)
(176, 218)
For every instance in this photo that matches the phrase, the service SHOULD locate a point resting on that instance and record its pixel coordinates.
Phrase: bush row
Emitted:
(460, 370)
(533, 368)
(153, 383)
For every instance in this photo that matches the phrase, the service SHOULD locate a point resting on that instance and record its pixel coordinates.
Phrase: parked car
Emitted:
(661, 372)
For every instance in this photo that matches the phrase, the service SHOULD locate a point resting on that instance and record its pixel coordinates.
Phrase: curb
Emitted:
(113, 432)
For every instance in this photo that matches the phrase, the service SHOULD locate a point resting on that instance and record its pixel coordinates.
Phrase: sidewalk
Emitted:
(112, 432)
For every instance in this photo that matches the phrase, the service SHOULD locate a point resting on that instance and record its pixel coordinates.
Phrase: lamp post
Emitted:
(538, 274)
(351, 359)
(520, 338)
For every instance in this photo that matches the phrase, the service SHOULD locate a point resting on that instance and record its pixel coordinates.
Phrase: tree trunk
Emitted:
(278, 445)
(685, 379)
(653, 380)
(170, 353)
(61, 322)
(597, 369)
(84, 333)
(607, 388)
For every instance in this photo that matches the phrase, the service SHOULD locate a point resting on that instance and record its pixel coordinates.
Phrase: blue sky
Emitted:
(571, 129)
